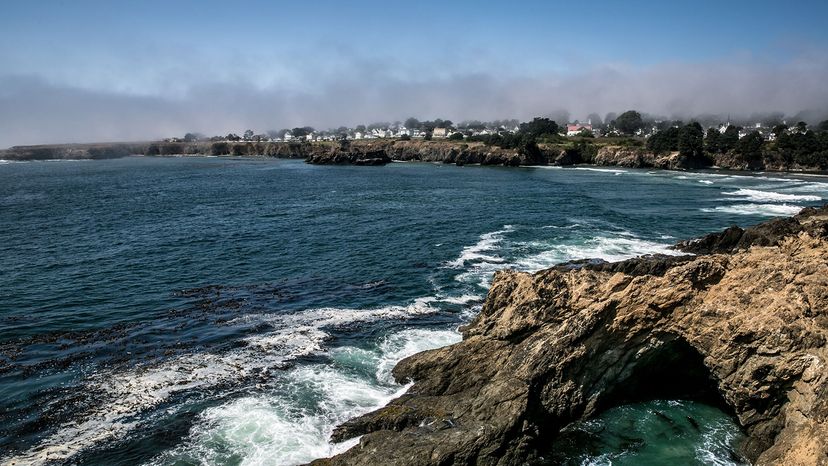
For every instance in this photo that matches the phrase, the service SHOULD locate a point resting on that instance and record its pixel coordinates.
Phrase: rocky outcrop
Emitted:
(427, 151)
(637, 157)
(346, 154)
(744, 325)
(368, 152)
(442, 151)
(464, 153)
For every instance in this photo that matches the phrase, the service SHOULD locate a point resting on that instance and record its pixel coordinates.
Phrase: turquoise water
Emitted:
(217, 311)
(653, 433)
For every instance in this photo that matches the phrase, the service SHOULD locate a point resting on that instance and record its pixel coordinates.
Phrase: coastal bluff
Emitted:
(383, 151)
(741, 323)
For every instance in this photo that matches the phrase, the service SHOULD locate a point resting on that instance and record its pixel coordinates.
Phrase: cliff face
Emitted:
(426, 151)
(370, 152)
(744, 325)
(379, 151)
(639, 158)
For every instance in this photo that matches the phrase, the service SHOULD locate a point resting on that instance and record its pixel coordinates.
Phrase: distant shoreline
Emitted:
(378, 152)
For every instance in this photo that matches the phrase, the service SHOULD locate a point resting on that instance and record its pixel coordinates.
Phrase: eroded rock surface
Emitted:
(744, 324)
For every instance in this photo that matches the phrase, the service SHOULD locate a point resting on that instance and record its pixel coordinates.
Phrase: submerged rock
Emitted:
(743, 325)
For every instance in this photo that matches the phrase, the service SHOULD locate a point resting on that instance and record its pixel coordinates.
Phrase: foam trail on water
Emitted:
(488, 242)
(401, 345)
(755, 195)
(120, 396)
(608, 248)
(809, 187)
(768, 210)
(293, 422)
(463, 299)
(603, 170)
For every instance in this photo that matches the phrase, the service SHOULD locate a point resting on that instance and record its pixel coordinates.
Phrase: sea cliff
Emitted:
(381, 151)
(742, 323)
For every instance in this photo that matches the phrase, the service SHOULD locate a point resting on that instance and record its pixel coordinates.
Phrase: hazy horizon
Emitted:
(94, 71)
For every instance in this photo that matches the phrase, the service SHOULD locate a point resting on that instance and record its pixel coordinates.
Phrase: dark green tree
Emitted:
(664, 141)
(822, 126)
(539, 127)
(729, 139)
(629, 122)
(750, 146)
(712, 142)
(300, 132)
(456, 136)
(691, 140)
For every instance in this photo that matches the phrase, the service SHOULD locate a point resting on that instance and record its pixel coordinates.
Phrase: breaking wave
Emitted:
(488, 242)
(608, 248)
(755, 195)
(121, 396)
(767, 210)
(578, 242)
(293, 422)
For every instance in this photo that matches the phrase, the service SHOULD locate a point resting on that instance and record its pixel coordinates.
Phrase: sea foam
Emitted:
(488, 242)
(767, 210)
(755, 195)
(608, 248)
(292, 423)
(120, 396)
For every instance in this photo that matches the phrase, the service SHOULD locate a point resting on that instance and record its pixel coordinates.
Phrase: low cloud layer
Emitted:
(33, 111)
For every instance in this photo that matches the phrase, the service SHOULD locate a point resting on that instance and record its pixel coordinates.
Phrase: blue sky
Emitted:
(73, 69)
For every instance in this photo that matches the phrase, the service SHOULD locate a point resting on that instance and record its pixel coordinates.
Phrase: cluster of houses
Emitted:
(767, 132)
(383, 133)
(575, 129)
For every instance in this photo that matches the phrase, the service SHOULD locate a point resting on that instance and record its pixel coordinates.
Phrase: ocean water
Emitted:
(175, 311)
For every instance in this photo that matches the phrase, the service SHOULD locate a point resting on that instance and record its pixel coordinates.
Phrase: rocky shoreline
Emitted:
(742, 323)
(379, 152)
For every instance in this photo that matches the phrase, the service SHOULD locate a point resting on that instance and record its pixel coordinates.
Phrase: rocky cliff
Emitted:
(639, 158)
(379, 151)
(426, 151)
(742, 324)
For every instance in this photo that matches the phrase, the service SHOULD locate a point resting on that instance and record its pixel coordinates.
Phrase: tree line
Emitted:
(789, 145)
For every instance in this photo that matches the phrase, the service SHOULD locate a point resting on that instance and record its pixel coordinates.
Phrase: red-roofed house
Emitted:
(575, 129)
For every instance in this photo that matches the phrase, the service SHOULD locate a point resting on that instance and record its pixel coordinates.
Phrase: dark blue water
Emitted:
(216, 311)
